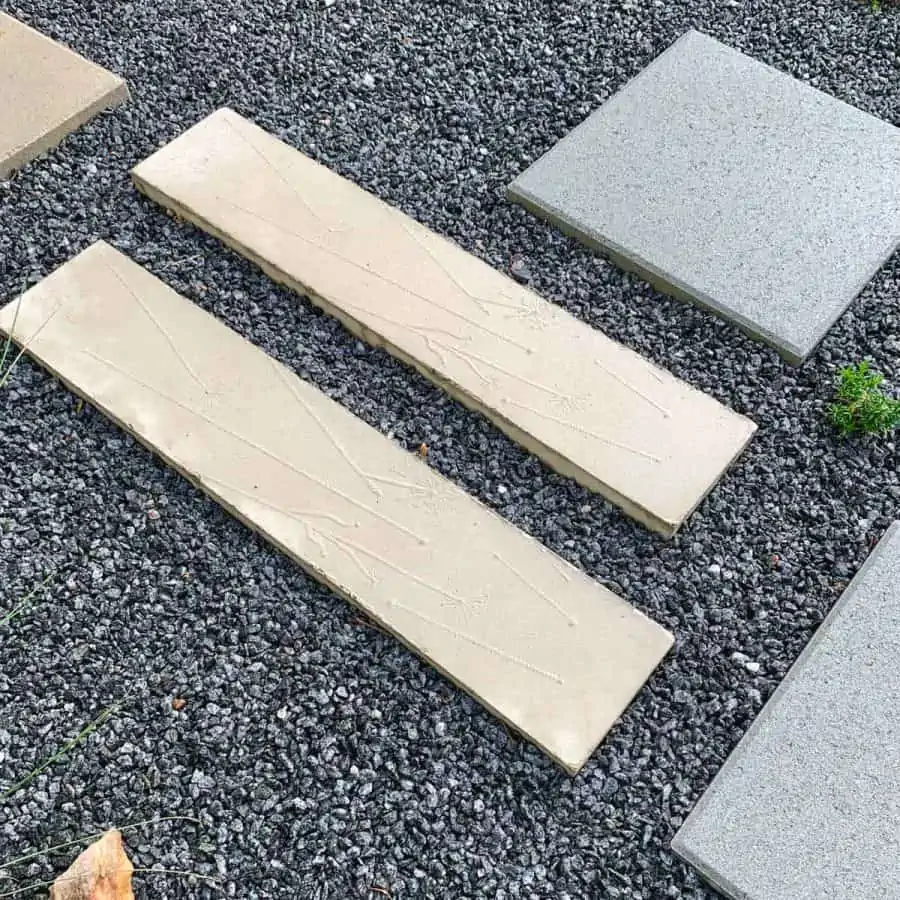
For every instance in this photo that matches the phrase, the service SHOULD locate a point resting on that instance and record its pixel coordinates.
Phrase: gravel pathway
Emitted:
(320, 758)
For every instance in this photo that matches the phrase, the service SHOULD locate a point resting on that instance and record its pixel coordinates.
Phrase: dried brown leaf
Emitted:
(101, 872)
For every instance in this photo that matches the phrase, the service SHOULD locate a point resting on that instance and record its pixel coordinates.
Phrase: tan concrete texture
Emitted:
(540, 644)
(46, 92)
(589, 407)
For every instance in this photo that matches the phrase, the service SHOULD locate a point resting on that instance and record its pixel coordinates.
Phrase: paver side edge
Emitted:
(114, 95)
(717, 881)
(633, 262)
(29, 152)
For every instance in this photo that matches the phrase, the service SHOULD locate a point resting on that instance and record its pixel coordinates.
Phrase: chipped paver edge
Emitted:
(571, 767)
(115, 95)
(551, 457)
(680, 842)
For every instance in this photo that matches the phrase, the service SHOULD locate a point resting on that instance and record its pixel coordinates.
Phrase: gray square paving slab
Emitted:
(724, 181)
(808, 805)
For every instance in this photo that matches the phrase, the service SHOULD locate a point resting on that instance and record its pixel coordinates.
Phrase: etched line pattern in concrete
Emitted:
(725, 181)
(807, 806)
(539, 643)
(46, 91)
(587, 406)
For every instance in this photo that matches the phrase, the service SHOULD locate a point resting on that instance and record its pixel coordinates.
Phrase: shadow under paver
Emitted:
(538, 642)
(808, 806)
(46, 92)
(589, 407)
(724, 181)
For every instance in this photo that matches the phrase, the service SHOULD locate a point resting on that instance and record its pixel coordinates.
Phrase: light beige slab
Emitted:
(46, 92)
(589, 407)
(534, 639)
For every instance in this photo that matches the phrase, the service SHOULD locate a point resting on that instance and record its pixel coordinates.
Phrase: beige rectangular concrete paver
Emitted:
(534, 639)
(46, 91)
(589, 407)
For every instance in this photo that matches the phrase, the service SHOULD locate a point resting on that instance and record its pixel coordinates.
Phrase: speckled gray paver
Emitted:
(731, 184)
(808, 806)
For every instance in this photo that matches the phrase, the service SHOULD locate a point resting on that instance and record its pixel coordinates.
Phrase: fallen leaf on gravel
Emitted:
(101, 872)
(178, 704)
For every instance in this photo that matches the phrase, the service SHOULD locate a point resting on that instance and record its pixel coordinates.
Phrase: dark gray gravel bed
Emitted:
(321, 759)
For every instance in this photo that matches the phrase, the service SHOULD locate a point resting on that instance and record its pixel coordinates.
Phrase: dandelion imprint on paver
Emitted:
(468, 357)
(321, 538)
(318, 536)
(182, 359)
(253, 444)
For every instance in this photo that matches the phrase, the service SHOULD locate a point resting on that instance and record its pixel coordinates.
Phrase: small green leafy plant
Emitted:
(860, 407)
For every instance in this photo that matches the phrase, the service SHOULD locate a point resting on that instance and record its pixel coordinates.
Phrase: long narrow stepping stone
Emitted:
(808, 806)
(46, 92)
(726, 182)
(534, 639)
(587, 406)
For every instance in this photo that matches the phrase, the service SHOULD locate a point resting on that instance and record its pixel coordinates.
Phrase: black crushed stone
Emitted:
(322, 759)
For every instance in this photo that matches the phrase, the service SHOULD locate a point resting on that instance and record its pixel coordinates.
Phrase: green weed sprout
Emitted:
(860, 407)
